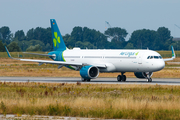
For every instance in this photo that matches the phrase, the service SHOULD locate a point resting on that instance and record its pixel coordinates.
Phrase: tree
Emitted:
(13, 47)
(165, 38)
(129, 46)
(5, 34)
(2, 48)
(19, 35)
(84, 45)
(143, 39)
(82, 37)
(48, 38)
(68, 41)
(34, 48)
(117, 36)
(30, 34)
(96, 38)
(47, 47)
(37, 42)
(116, 33)
(42, 34)
(77, 33)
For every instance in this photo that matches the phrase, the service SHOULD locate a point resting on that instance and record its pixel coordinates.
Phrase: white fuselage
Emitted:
(117, 60)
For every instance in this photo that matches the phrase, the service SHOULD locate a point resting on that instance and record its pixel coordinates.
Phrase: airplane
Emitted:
(91, 62)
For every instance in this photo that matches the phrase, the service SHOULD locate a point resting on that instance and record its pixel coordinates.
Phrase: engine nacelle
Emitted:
(89, 72)
(143, 74)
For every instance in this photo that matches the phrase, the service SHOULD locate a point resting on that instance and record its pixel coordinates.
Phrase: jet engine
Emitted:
(143, 74)
(89, 72)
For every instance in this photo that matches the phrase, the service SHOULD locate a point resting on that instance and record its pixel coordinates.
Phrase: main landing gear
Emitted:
(85, 80)
(121, 77)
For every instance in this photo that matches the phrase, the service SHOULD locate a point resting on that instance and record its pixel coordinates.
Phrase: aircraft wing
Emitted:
(56, 62)
(52, 62)
(173, 55)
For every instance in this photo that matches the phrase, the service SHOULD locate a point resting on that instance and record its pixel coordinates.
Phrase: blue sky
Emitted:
(129, 14)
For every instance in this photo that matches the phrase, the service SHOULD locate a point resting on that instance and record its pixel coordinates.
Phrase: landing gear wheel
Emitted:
(123, 78)
(85, 80)
(149, 79)
(119, 78)
(88, 80)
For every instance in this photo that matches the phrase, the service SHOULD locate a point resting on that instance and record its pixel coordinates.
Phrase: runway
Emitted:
(159, 81)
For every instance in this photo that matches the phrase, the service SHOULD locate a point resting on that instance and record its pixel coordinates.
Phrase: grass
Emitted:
(85, 100)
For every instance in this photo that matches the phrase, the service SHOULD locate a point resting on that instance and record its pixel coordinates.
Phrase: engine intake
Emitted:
(143, 74)
(89, 72)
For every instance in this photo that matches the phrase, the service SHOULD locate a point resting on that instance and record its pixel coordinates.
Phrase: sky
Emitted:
(128, 14)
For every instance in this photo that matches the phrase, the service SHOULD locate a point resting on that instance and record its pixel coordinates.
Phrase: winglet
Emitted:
(9, 55)
(173, 53)
(8, 52)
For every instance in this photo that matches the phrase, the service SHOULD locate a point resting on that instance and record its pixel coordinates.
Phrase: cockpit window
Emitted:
(151, 57)
(154, 57)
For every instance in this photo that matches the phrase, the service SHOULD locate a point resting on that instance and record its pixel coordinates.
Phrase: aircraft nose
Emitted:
(160, 65)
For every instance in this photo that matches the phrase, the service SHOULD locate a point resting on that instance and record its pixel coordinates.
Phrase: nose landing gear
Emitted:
(121, 77)
(149, 79)
(148, 76)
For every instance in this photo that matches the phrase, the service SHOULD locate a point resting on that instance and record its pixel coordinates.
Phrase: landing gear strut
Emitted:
(121, 77)
(148, 76)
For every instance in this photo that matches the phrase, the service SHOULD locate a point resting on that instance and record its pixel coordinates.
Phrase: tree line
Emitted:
(40, 39)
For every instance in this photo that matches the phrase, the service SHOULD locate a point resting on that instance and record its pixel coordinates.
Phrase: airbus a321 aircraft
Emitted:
(92, 62)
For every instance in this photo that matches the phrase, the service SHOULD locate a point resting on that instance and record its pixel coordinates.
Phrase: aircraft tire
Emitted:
(119, 78)
(88, 80)
(124, 78)
(149, 79)
(83, 80)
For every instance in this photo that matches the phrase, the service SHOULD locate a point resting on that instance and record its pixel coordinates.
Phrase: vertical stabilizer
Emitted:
(58, 42)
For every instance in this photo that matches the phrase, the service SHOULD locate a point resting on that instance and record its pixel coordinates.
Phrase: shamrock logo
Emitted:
(56, 40)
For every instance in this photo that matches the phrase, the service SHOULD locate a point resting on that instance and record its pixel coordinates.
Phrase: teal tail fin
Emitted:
(58, 42)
